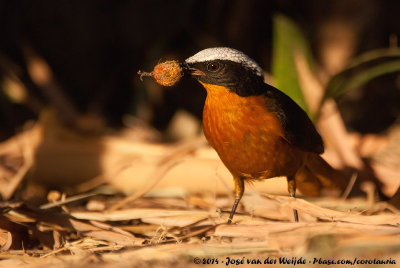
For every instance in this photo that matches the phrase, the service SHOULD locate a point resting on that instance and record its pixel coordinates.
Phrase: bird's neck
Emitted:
(229, 114)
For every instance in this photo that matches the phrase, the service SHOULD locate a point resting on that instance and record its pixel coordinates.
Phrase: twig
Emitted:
(165, 164)
(67, 200)
(350, 185)
(157, 176)
(141, 74)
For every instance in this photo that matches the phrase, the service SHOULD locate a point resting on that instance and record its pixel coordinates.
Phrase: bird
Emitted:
(257, 130)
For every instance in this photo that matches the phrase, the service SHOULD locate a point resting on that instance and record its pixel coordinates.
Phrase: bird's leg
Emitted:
(239, 189)
(292, 191)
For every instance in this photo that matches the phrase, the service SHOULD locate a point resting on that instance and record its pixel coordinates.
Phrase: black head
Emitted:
(227, 67)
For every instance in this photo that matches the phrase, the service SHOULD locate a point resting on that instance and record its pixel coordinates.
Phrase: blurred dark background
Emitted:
(95, 48)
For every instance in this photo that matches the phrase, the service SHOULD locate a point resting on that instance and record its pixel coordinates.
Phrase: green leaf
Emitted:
(288, 40)
(363, 69)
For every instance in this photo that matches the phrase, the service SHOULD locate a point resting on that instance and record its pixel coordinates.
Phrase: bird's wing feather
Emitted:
(298, 128)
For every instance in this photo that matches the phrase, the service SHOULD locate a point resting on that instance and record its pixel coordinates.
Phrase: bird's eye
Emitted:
(213, 66)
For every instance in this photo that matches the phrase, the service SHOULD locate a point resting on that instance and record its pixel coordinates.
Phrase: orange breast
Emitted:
(248, 138)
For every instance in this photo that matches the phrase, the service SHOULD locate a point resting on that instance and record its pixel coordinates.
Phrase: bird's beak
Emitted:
(192, 71)
(196, 72)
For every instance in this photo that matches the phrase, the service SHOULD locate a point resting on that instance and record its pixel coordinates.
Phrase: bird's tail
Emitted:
(317, 175)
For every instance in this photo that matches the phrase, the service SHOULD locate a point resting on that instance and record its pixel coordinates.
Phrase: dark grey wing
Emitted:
(298, 128)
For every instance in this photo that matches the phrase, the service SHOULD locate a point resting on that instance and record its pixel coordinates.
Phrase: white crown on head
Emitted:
(225, 53)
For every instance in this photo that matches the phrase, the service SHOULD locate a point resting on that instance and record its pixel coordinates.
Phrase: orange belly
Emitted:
(247, 137)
